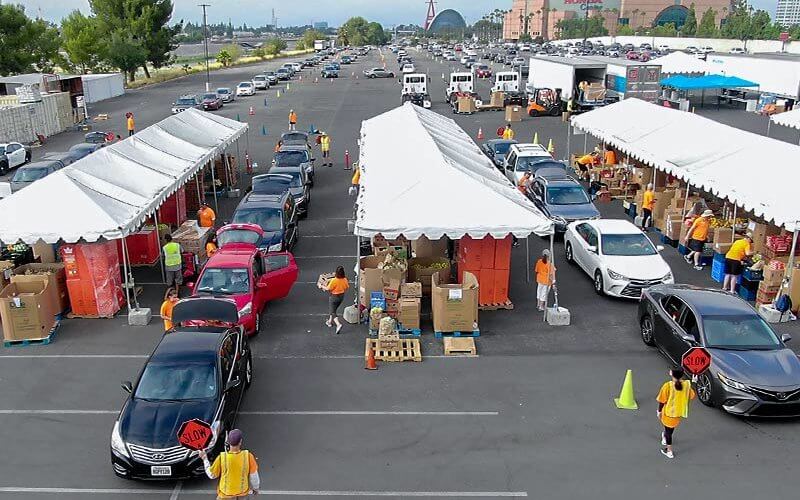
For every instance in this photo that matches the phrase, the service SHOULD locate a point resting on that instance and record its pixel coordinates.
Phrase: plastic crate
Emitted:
(682, 249)
(746, 294)
(718, 271)
(751, 275)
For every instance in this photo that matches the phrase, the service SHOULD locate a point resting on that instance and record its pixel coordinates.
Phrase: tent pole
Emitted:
(791, 254)
(227, 165)
(160, 252)
(528, 259)
(769, 123)
(733, 224)
(585, 141)
(125, 270)
(214, 188)
(238, 154)
(197, 183)
(686, 202)
(568, 152)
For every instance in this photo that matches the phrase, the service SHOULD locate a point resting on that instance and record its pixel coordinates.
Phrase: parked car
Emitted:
(632, 55)
(99, 137)
(274, 213)
(245, 88)
(283, 74)
(296, 66)
(561, 198)
(408, 69)
(12, 155)
(663, 48)
(261, 82)
(707, 49)
(617, 255)
(752, 372)
(66, 157)
(737, 50)
(194, 372)
(346, 60)
(212, 100)
(330, 71)
(85, 148)
(226, 94)
(32, 172)
(185, 102)
(496, 150)
(378, 73)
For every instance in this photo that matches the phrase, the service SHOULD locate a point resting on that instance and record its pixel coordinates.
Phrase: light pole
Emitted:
(205, 44)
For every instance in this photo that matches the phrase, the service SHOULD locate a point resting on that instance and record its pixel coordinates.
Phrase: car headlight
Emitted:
(117, 444)
(668, 277)
(614, 275)
(247, 309)
(300, 199)
(732, 383)
(275, 248)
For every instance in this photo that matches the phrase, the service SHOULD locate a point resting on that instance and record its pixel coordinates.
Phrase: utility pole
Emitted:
(585, 24)
(205, 44)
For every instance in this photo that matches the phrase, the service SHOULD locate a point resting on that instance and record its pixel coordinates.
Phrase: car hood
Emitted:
(780, 368)
(155, 423)
(574, 212)
(642, 267)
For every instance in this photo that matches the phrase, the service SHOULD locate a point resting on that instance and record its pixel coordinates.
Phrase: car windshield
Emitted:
(223, 91)
(2, 150)
(186, 101)
(746, 331)
(627, 245)
(210, 96)
(270, 184)
(226, 281)
(259, 77)
(269, 219)
(29, 174)
(566, 195)
(525, 163)
(501, 147)
(238, 235)
(329, 67)
(294, 138)
(290, 158)
(296, 181)
(245, 85)
(177, 382)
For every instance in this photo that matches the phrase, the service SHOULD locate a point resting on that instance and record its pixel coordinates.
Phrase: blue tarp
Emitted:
(682, 82)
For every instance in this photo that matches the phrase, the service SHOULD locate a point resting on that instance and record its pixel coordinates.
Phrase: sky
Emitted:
(335, 12)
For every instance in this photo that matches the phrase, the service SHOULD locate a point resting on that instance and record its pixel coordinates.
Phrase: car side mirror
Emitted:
(660, 248)
(592, 248)
(233, 384)
(786, 337)
(127, 387)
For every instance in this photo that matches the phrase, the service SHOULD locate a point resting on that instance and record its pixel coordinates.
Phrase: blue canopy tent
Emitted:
(685, 84)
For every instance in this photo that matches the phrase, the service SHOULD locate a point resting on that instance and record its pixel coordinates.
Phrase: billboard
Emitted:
(582, 5)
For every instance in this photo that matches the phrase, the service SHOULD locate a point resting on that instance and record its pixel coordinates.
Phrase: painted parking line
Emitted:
(309, 493)
(349, 413)
(263, 356)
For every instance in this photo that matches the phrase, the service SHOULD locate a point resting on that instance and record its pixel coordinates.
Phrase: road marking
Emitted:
(176, 492)
(75, 356)
(376, 413)
(355, 356)
(310, 493)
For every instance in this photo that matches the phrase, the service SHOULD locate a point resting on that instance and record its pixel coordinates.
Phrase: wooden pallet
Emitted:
(26, 342)
(494, 307)
(473, 333)
(464, 345)
(409, 350)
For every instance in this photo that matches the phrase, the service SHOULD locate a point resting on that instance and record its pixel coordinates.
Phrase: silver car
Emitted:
(261, 82)
(226, 94)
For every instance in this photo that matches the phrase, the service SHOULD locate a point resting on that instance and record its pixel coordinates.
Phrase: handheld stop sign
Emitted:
(696, 360)
(195, 434)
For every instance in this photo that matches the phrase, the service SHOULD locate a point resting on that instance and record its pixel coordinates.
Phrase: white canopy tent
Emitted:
(422, 175)
(788, 119)
(109, 193)
(680, 63)
(750, 170)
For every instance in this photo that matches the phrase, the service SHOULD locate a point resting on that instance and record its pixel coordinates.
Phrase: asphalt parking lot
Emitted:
(531, 415)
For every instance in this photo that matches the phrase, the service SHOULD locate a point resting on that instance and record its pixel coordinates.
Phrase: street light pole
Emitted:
(205, 44)
(586, 24)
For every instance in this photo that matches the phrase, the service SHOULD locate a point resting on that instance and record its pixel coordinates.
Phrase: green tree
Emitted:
(578, 28)
(353, 31)
(625, 30)
(309, 36)
(81, 40)
(689, 28)
(274, 46)
(708, 24)
(664, 30)
(26, 44)
(375, 34)
(224, 57)
(126, 53)
(525, 38)
(46, 43)
(300, 45)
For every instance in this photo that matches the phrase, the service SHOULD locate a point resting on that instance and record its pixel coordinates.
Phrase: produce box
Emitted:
(421, 269)
(455, 307)
(513, 114)
(411, 290)
(6, 267)
(391, 289)
(423, 247)
(409, 313)
(723, 235)
(324, 279)
(27, 310)
(192, 238)
(466, 105)
(53, 274)
(375, 318)
(371, 278)
(498, 99)
(774, 274)
(760, 233)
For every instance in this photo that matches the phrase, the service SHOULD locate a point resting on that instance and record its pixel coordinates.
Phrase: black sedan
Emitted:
(496, 150)
(194, 372)
(752, 371)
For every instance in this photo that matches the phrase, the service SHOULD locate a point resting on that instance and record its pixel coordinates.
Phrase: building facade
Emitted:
(788, 13)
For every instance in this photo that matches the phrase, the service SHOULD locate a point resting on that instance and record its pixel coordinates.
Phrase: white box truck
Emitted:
(563, 75)
(508, 82)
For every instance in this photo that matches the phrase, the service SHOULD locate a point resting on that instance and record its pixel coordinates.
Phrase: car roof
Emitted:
(85, 145)
(42, 164)
(709, 301)
(286, 170)
(244, 83)
(188, 96)
(615, 226)
(262, 200)
(530, 150)
(233, 257)
(193, 344)
(58, 155)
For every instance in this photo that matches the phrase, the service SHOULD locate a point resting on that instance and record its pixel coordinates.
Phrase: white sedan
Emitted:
(245, 88)
(408, 68)
(13, 155)
(618, 256)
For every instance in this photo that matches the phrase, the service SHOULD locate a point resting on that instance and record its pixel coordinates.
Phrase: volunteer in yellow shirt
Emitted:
(696, 237)
(325, 146)
(236, 469)
(545, 278)
(337, 287)
(673, 406)
(648, 202)
(131, 124)
(740, 250)
(166, 308)
(508, 132)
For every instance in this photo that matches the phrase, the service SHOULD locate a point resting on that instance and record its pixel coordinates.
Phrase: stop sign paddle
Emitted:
(195, 434)
(696, 360)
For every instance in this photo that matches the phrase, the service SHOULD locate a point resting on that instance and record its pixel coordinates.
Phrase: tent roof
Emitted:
(750, 170)
(422, 175)
(679, 63)
(788, 118)
(706, 82)
(109, 193)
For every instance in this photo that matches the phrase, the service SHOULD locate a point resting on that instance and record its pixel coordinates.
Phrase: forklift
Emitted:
(544, 102)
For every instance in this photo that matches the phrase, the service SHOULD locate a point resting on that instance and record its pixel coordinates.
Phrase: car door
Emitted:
(259, 286)
(228, 371)
(666, 324)
(508, 166)
(16, 155)
(687, 335)
(592, 258)
(280, 275)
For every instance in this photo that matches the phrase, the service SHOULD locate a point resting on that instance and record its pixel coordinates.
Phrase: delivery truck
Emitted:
(775, 73)
(415, 89)
(509, 83)
(461, 83)
(628, 78)
(569, 77)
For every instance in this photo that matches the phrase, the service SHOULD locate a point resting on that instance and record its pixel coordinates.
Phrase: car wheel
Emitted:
(3, 168)
(248, 371)
(599, 287)
(705, 389)
(568, 253)
(27, 157)
(533, 113)
(646, 330)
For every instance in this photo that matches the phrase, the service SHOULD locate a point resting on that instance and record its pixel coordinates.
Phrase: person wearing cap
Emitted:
(206, 216)
(739, 251)
(545, 278)
(325, 146)
(673, 406)
(696, 237)
(648, 202)
(292, 120)
(236, 469)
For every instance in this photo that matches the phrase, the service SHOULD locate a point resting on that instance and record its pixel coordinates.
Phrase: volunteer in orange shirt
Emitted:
(648, 202)
(673, 406)
(206, 216)
(740, 250)
(211, 246)
(337, 287)
(292, 120)
(170, 300)
(545, 278)
(696, 237)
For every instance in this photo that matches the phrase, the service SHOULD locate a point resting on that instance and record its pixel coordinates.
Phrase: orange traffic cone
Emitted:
(480, 133)
(371, 364)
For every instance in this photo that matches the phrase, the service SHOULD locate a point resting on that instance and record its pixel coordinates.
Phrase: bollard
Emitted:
(346, 159)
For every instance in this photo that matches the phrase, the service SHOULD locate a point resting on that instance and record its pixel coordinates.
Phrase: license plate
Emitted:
(160, 470)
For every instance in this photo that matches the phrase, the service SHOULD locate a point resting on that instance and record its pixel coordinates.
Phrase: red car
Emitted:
(242, 272)
(632, 55)
(483, 71)
(211, 100)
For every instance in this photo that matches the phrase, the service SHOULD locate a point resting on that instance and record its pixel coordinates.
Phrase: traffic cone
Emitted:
(480, 133)
(288, 87)
(536, 137)
(626, 401)
(263, 130)
(238, 119)
(265, 102)
(371, 364)
(550, 147)
(252, 111)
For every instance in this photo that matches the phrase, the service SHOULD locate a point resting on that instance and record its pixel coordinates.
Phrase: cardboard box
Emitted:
(54, 274)
(760, 233)
(27, 310)
(794, 289)
(411, 290)
(391, 289)
(498, 99)
(723, 234)
(375, 319)
(722, 247)
(392, 307)
(455, 307)
(773, 276)
(672, 230)
(6, 267)
(420, 269)
(513, 114)
(409, 313)
(324, 279)
(371, 279)
(466, 105)
(423, 247)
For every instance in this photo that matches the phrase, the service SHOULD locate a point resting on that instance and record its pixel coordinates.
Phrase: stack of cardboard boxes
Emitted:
(193, 238)
(410, 307)
(455, 306)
